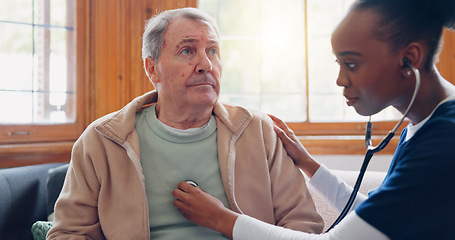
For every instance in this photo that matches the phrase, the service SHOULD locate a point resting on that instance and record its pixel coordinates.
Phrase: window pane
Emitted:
(29, 107)
(278, 104)
(326, 102)
(234, 22)
(263, 54)
(61, 87)
(50, 12)
(20, 111)
(16, 57)
(8, 10)
(35, 62)
(241, 66)
(58, 13)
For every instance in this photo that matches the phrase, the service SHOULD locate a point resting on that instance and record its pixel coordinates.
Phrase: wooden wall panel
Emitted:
(446, 63)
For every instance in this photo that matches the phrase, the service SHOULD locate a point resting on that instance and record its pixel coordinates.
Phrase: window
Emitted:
(277, 58)
(37, 62)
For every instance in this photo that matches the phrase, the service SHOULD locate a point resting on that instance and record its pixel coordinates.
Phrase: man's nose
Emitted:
(204, 63)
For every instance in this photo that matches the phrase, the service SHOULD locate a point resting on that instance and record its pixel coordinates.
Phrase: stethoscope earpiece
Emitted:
(407, 63)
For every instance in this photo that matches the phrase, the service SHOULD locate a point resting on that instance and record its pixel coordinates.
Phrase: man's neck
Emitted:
(183, 117)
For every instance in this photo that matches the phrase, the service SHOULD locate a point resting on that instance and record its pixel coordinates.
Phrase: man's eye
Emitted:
(213, 51)
(185, 52)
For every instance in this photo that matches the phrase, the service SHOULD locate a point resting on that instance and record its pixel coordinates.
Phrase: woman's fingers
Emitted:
(286, 134)
(280, 123)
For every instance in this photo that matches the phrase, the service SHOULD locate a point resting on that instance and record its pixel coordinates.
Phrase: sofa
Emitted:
(28, 195)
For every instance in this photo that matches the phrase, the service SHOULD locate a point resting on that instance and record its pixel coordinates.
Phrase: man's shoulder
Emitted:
(254, 113)
(253, 117)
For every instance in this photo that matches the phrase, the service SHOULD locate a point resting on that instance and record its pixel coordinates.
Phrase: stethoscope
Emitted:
(372, 149)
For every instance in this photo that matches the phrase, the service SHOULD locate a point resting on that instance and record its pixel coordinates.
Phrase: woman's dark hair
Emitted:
(405, 21)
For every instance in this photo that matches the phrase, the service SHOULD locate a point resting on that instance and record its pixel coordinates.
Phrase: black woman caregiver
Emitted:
(377, 45)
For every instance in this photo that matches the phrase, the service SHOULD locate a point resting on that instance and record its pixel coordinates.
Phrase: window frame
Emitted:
(20, 141)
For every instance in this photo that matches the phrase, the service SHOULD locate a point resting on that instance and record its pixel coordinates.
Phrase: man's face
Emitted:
(188, 71)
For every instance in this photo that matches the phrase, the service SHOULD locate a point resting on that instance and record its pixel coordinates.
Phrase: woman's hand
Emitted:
(294, 148)
(204, 209)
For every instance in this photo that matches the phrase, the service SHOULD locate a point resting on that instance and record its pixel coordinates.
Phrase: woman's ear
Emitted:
(150, 68)
(412, 56)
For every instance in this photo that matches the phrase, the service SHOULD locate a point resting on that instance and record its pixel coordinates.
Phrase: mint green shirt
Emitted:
(169, 156)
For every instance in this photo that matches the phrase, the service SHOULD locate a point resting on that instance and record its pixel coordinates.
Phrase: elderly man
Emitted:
(125, 165)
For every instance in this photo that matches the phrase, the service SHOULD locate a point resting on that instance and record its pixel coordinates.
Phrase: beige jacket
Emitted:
(104, 196)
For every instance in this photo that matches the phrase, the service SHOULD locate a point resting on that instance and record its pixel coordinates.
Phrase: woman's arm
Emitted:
(351, 228)
(206, 210)
(333, 189)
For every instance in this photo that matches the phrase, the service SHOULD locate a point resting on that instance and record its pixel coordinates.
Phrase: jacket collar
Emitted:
(117, 126)
(235, 118)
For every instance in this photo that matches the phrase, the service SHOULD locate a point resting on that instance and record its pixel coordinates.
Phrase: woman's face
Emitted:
(369, 72)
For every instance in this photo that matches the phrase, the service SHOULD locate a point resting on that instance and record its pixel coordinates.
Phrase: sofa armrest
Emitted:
(54, 187)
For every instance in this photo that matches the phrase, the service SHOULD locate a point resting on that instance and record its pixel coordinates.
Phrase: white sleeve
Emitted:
(333, 189)
(351, 228)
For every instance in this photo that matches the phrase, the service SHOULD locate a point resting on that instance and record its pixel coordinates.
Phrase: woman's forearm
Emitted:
(307, 164)
(225, 222)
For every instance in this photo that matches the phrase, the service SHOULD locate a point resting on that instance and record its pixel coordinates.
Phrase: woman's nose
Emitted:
(342, 80)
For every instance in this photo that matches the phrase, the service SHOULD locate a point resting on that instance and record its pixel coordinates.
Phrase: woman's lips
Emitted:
(351, 100)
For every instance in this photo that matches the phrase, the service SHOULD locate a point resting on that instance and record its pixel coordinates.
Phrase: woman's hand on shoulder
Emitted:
(294, 147)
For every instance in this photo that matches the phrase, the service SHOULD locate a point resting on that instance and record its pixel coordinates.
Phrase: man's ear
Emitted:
(150, 68)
